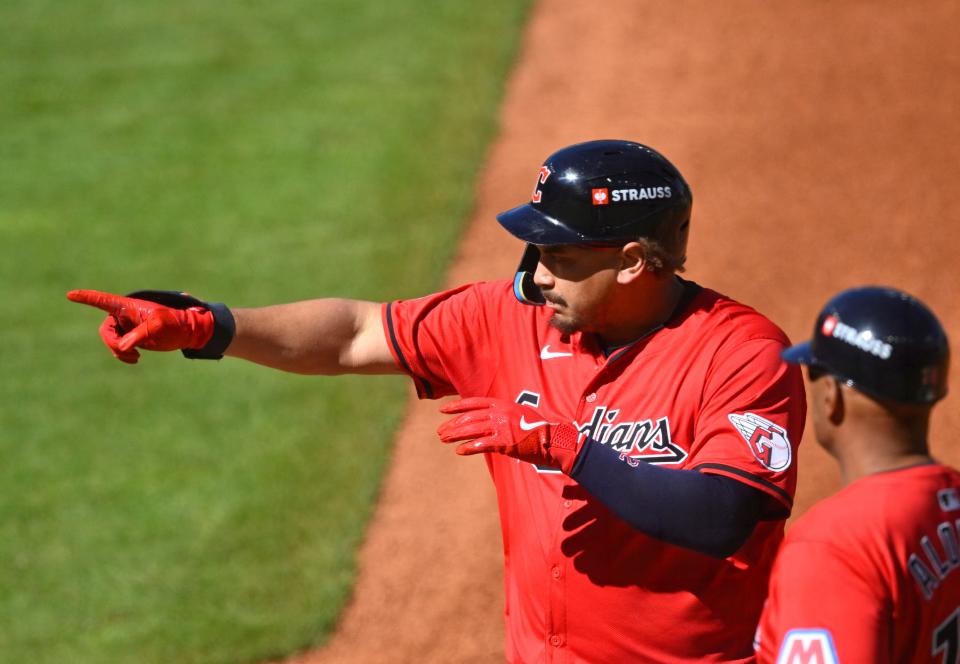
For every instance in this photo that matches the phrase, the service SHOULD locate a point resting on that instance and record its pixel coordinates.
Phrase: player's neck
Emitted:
(882, 446)
(873, 436)
(857, 469)
(643, 310)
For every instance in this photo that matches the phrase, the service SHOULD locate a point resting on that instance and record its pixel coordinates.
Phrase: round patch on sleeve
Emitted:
(767, 441)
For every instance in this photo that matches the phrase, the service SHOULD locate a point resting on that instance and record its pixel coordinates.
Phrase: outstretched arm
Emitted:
(329, 336)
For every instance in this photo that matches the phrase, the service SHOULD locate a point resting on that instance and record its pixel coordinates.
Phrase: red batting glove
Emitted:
(133, 323)
(505, 427)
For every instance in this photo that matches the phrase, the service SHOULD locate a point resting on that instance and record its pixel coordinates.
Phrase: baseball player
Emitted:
(640, 429)
(867, 574)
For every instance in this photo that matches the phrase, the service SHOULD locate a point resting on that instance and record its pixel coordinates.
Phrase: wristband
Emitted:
(224, 326)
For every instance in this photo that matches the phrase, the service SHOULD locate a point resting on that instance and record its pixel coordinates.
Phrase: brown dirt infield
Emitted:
(822, 143)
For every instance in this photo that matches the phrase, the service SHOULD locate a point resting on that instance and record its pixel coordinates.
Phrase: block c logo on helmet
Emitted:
(541, 179)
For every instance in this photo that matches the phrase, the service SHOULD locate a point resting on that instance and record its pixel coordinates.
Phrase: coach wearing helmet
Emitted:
(868, 575)
(640, 429)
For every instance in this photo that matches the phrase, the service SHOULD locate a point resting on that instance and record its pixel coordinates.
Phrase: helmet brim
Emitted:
(527, 223)
(801, 353)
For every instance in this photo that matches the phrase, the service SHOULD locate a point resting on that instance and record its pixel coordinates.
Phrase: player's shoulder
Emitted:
(479, 300)
(896, 500)
(729, 318)
(828, 517)
(497, 295)
(475, 292)
(497, 289)
(496, 302)
(494, 290)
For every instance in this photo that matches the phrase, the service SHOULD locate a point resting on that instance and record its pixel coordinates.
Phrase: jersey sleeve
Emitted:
(445, 341)
(821, 609)
(752, 420)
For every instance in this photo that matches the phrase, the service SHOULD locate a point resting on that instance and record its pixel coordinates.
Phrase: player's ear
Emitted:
(633, 261)
(834, 405)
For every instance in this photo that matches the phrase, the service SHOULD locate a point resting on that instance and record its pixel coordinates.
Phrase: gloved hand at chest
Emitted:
(505, 427)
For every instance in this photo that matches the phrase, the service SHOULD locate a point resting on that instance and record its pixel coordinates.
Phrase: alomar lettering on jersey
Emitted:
(647, 439)
(948, 499)
(865, 341)
(642, 194)
(928, 571)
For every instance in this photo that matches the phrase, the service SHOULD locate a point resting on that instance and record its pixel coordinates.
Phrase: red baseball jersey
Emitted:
(867, 575)
(705, 391)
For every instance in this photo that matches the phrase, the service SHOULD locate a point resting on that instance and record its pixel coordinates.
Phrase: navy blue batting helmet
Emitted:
(600, 192)
(881, 341)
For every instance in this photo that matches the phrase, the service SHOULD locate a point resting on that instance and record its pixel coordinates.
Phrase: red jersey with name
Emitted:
(867, 575)
(705, 391)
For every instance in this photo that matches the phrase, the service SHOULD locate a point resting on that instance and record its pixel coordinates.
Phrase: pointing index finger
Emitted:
(104, 301)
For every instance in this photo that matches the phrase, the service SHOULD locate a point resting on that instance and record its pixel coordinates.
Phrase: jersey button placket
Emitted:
(556, 623)
(589, 395)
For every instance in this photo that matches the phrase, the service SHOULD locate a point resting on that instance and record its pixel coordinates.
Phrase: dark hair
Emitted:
(666, 250)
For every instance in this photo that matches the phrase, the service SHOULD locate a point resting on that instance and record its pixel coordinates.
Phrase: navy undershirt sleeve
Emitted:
(708, 513)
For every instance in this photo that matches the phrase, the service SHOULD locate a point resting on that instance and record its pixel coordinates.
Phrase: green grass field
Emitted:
(251, 153)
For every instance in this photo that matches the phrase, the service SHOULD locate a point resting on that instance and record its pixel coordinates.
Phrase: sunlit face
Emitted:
(578, 282)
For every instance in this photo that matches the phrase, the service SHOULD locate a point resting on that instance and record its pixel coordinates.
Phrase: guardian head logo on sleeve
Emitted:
(768, 441)
(881, 341)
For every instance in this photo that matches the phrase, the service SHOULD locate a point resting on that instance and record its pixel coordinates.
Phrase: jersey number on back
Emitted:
(946, 638)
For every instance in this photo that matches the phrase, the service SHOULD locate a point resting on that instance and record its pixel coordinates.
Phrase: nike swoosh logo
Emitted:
(529, 426)
(547, 354)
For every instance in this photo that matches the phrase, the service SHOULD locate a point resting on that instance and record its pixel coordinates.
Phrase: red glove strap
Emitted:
(198, 322)
(564, 445)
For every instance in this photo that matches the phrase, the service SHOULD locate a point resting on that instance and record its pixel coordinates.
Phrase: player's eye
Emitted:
(816, 372)
(552, 258)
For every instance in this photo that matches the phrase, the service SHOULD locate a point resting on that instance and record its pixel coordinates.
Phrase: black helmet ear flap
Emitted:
(523, 287)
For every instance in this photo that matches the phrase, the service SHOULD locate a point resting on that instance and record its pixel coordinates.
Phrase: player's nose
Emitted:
(543, 278)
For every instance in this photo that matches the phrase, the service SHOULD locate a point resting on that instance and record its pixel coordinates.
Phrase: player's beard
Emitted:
(566, 326)
(564, 322)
